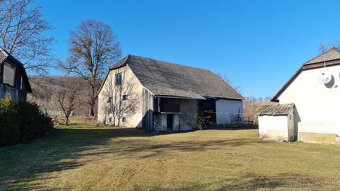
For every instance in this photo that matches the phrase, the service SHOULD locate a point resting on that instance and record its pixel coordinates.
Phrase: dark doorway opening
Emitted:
(207, 111)
(169, 122)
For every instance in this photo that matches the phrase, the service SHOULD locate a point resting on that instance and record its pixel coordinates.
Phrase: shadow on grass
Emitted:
(22, 166)
(252, 181)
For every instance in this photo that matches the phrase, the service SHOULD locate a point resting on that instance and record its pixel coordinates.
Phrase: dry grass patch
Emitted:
(109, 158)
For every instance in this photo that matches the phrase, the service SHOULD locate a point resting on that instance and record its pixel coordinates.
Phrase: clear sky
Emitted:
(257, 44)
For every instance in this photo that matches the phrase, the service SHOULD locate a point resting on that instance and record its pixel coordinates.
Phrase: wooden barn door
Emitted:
(148, 101)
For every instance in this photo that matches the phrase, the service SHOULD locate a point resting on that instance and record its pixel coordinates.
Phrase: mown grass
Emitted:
(108, 158)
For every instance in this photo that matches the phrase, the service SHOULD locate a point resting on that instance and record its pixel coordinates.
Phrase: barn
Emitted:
(161, 96)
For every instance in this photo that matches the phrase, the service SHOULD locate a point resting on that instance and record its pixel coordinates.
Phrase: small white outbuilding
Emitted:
(276, 122)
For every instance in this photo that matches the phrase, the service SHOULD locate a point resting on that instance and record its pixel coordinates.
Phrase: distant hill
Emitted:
(45, 87)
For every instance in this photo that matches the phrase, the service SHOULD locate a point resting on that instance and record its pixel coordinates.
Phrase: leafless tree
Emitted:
(93, 48)
(66, 99)
(225, 78)
(23, 30)
(325, 46)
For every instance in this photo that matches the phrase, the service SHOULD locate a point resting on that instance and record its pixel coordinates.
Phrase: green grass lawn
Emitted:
(109, 158)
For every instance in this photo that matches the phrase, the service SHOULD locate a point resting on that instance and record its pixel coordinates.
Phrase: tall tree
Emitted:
(23, 30)
(93, 48)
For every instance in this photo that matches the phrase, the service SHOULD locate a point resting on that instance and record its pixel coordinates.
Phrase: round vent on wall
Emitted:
(324, 77)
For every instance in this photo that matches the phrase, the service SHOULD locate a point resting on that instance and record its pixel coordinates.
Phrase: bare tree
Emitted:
(66, 99)
(93, 48)
(325, 46)
(22, 32)
(225, 78)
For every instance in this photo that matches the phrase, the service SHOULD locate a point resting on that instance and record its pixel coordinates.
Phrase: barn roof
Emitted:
(329, 58)
(168, 79)
(276, 110)
(4, 55)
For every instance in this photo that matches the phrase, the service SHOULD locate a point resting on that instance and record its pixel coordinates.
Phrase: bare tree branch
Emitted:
(22, 32)
(93, 48)
(66, 99)
(325, 46)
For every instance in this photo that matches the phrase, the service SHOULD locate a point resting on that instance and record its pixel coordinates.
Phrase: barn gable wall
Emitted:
(121, 105)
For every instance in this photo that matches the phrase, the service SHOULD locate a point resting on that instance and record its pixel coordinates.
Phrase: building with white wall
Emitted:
(315, 91)
(276, 122)
(161, 96)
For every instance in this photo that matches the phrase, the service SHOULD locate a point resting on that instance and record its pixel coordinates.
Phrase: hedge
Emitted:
(21, 123)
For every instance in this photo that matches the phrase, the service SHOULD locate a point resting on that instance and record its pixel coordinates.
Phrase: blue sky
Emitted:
(257, 44)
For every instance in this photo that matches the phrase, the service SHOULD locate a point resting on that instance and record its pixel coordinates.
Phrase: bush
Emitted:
(21, 122)
(33, 122)
(9, 125)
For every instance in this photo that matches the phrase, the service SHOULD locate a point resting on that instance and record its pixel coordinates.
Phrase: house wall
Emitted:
(228, 110)
(316, 105)
(116, 108)
(17, 95)
(274, 127)
(188, 117)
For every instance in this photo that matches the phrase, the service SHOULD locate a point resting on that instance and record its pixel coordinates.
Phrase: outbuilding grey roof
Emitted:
(332, 54)
(276, 110)
(168, 79)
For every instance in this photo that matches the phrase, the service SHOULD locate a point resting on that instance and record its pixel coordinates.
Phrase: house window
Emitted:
(109, 99)
(9, 74)
(125, 97)
(124, 119)
(118, 79)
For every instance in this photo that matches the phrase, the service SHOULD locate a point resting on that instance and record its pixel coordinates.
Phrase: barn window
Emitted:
(109, 99)
(124, 119)
(125, 97)
(9, 74)
(118, 79)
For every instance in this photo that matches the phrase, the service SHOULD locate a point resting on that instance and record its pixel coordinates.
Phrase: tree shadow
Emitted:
(21, 165)
(252, 181)
(63, 150)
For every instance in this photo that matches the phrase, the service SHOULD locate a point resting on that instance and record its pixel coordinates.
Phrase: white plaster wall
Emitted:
(226, 109)
(130, 108)
(273, 127)
(317, 106)
(291, 127)
(188, 118)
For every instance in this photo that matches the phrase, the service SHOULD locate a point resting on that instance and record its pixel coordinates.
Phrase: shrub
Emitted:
(33, 122)
(21, 122)
(9, 125)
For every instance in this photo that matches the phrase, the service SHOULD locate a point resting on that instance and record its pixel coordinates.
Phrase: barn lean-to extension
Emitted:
(162, 96)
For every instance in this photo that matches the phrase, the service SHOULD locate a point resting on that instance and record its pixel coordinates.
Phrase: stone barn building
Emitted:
(13, 78)
(155, 95)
